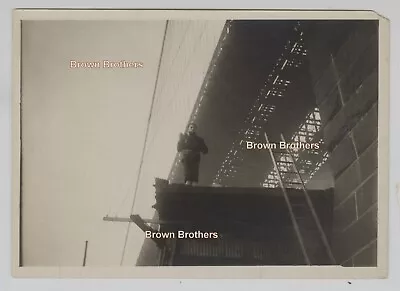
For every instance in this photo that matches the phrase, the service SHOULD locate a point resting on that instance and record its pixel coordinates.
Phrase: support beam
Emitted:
(141, 223)
(146, 220)
(117, 219)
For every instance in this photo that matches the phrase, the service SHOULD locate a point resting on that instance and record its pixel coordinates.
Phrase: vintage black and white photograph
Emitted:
(209, 141)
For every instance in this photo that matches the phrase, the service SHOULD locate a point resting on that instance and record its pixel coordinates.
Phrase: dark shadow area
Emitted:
(328, 95)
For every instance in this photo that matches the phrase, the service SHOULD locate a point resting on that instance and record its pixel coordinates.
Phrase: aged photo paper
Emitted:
(200, 144)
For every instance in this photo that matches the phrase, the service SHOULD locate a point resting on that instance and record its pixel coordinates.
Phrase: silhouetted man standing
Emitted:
(190, 146)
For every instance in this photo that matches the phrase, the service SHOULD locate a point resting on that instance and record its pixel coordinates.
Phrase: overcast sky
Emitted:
(83, 130)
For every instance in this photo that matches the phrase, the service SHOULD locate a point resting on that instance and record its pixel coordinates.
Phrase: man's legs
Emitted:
(187, 172)
(195, 173)
(191, 170)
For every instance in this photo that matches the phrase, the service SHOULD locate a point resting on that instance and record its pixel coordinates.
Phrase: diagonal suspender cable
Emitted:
(289, 205)
(312, 209)
(145, 141)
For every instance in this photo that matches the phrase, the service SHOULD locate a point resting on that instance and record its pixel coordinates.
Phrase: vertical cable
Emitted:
(145, 141)
(312, 209)
(289, 205)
